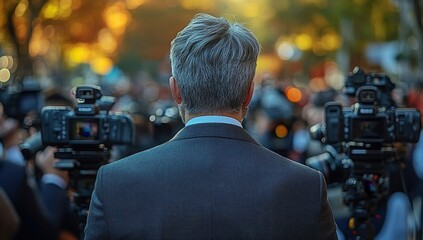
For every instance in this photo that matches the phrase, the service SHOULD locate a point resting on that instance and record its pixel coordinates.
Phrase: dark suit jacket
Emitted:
(211, 181)
(43, 213)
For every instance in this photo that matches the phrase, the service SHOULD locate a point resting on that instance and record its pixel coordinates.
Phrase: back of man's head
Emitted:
(213, 62)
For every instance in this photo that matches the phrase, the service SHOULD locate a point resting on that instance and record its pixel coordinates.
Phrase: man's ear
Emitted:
(249, 96)
(174, 89)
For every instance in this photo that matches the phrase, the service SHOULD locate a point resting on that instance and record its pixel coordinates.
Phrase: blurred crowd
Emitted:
(36, 198)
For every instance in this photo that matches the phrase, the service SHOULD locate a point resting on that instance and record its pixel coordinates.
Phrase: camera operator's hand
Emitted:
(45, 160)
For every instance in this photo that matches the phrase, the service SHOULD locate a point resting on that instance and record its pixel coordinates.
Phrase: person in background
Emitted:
(269, 112)
(212, 180)
(42, 205)
(40, 210)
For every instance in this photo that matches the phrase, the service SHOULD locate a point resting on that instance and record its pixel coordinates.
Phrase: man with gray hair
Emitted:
(212, 180)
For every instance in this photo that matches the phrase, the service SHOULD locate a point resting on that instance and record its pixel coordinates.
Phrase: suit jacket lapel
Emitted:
(221, 130)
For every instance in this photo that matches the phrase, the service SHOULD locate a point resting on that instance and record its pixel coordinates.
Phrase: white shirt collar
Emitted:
(213, 119)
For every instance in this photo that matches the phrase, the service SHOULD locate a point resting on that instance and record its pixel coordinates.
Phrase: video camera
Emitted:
(86, 126)
(373, 118)
(84, 137)
(360, 143)
(364, 130)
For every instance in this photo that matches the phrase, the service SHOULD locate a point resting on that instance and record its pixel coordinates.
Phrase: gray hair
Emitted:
(214, 63)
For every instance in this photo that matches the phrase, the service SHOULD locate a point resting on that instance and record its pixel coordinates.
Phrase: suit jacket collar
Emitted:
(221, 130)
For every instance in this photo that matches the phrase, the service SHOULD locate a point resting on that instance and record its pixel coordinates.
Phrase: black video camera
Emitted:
(365, 131)
(360, 149)
(369, 123)
(89, 124)
(373, 118)
(84, 136)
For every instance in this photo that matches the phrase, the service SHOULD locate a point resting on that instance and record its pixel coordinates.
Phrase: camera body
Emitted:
(365, 132)
(370, 123)
(87, 125)
(61, 126)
